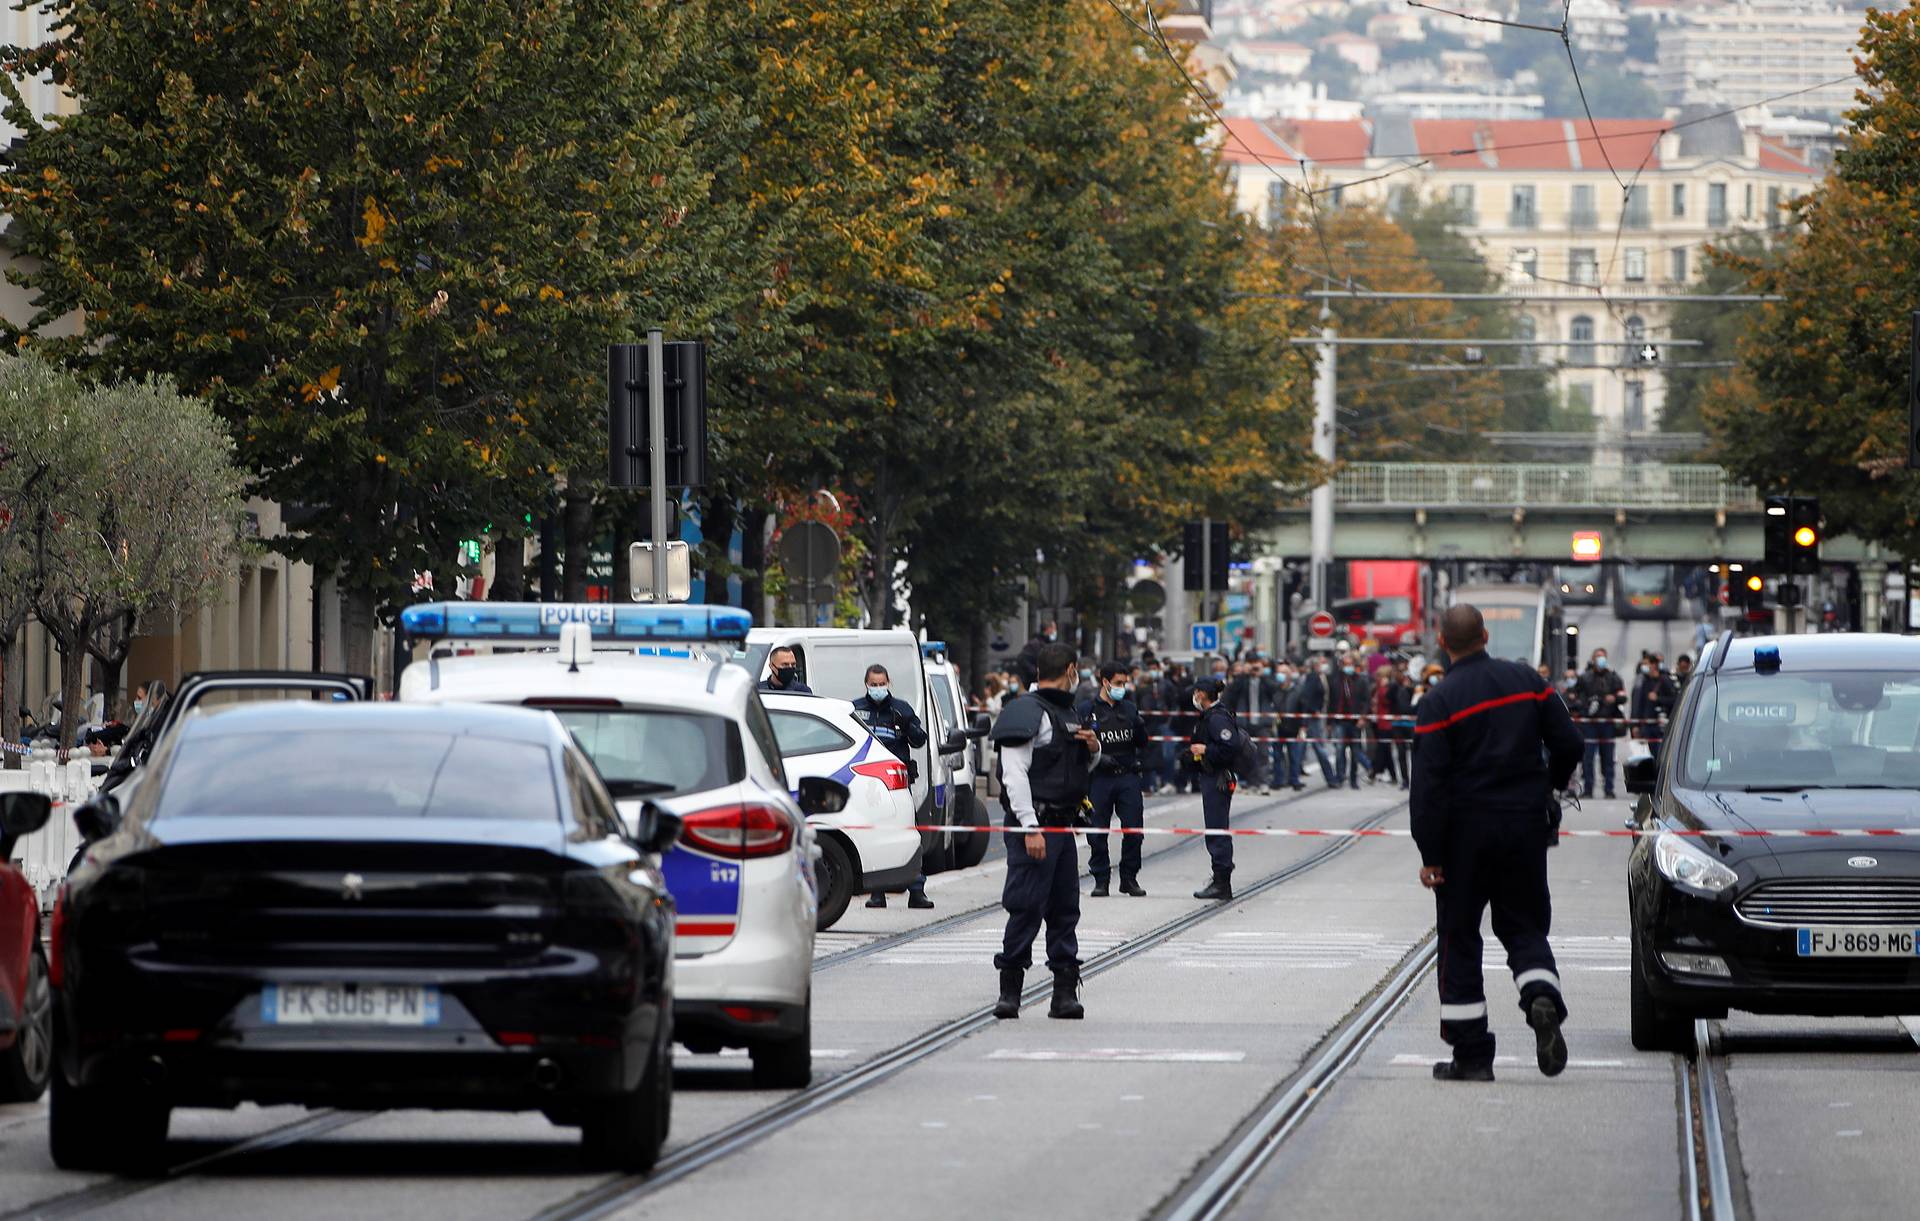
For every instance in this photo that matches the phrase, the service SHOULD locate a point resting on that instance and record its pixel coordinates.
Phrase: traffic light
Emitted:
(1778, 526)
(686, 413)
(1805, 535)
(1755, 592)
(1194, 549)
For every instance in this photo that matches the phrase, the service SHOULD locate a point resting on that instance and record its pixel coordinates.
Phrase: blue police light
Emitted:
(1766, 658)
(511, 621)
(933, 649)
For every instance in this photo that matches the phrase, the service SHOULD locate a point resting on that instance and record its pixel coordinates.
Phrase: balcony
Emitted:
(1717, 218)
(1637, 218)
(1522, 218)
(1583, 218)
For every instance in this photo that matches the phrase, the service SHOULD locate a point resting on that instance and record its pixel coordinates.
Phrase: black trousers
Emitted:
(1601, 749)
(1497, 859)
(1046, 890)
(1116, 794)
(1216, 806)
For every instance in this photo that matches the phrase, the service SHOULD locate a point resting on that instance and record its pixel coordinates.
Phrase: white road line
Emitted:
(1122, 1055)
(1409, 1060)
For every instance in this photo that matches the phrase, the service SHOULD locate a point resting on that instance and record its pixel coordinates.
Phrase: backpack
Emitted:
(1245, 758)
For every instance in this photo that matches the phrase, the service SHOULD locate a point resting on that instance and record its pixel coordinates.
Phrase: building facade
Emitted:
(1742, 54)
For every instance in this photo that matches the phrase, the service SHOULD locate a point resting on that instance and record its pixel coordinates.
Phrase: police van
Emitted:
(959, 767)
(652, 696)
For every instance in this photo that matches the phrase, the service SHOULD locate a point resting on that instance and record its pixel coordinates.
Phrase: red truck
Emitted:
(1396, 589)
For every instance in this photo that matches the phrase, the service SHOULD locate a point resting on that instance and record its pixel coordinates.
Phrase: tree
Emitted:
(1718, 325)
(1819, 399)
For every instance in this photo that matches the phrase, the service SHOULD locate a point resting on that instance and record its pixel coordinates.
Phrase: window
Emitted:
(1635, 264)
(800, 734)
(1524, 264)
(1679, 269)
(1580, 398)
(1814, 729)
(1636, 420)
(594, 815)
(1276, 202)
(1773, 208)
(1461, 197)
(1580, 350)
(1526, 329)
(1636, 329)
(1637, 214)
(1679, 200)
(1339, 195)
(1717, 203)
(1583, 265)
(1396, 200)
(643, 753)
(1582, 214)
(1747, 210)
(1520, 209)
(763, 737)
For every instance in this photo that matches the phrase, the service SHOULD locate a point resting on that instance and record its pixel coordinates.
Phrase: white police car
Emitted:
(671, 723)
(871, 845)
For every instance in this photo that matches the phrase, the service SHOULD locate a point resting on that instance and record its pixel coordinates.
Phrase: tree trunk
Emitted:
(356, 630)
(13, 688)
(509, 569)
(716, 527)
(73, 680)
(579, 545)
(753, 558)
(109, 646)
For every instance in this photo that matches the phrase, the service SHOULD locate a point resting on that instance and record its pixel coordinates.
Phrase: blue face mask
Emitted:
(1118, 692)
(1086, 674)
(878, 694)
(1346, 669)
(1599, 663)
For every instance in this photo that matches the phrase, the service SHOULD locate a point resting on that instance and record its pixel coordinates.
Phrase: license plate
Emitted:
(1856, 942)
(350, 1005)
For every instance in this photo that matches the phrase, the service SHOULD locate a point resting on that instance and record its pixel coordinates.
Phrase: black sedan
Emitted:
(1813, 741)
(363, 906)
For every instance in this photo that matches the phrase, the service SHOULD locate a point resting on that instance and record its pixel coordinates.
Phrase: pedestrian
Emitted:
(1213, 749)
(1153, 696)
(1381, 722)
(1494, 744)
(1046, 762)
(894, 725)
(1289, 752)
(1186, 777)
(783, 674)
(1255, 697)
(1346, 710)
(1088, 686)
(1118, 783)
(1598, 700)
(1654, 696)
(1023, 665)
(1682, 671)
(1702, 634)
(1312, 708)
(1400, 707)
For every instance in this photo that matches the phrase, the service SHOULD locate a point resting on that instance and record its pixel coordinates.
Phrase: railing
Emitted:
(1583, 218)
(1637, 218)
(1541, 485)
(1522, 218)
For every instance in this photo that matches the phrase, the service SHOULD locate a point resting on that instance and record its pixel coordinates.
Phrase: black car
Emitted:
(1815, 736)
(363, 906)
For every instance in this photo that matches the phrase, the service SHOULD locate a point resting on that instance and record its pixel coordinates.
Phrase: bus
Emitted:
(1524, 623)
(1646, 591)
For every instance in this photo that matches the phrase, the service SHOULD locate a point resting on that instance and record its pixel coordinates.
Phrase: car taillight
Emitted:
(57, 956)
(890, 772)
(746, 830)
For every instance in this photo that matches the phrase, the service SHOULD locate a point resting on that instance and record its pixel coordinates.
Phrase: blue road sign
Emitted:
(1206, 637)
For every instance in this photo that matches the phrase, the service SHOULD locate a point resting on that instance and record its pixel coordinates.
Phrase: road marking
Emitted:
(1848, 1132)
(1122, 1055)
(974, 946)
(1409, 1060)
(687, 1058)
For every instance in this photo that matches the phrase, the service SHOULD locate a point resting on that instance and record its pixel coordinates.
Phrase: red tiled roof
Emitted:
(1539, 144)
(1784, 160)
(1289, 141)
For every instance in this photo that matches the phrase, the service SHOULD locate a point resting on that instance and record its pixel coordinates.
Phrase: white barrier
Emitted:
(43, 856)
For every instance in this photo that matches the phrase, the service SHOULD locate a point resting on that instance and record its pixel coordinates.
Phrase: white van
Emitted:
(964, 851)
(834, 661)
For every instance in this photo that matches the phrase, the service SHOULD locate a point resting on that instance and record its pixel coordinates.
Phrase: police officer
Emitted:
(895, 726)
(1212, 749)
(1481, 787)
(783, 674)
(1046, 760)
(1118, 786)
(1600, 697)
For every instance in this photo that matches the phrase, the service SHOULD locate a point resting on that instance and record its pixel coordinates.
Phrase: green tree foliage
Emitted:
(1819, 400)
(1718, 325)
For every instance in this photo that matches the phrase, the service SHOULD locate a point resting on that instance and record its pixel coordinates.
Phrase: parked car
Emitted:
(26, 996)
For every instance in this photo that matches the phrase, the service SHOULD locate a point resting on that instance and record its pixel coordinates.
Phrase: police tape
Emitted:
(1163, 714)
(1384, 832)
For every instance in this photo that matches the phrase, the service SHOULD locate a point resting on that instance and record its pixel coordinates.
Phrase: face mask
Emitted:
(139, 706)
(1049, 636)
(1346, 669)
(1599, 663)
(1643, 667)
(785, 675)
(1199, 703)
(1117, 693)
(1014, 686)
(1153, 674)
(877, 694)
(1086, 674)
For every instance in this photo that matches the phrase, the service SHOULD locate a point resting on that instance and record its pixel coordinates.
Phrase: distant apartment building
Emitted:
(1458, 104)
(1742, 54)
(1571, 248)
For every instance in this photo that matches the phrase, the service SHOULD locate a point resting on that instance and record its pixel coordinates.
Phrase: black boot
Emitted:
(877, 899)
(1066, 994)
(1219, 888)
(1100, 888)
(917, 899)
(1551, 1047)
(1453, 1070)
(1131, 886)
(1011, 979)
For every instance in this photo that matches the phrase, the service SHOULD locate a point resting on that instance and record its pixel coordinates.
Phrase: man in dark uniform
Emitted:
(1118, 786)
(1600, 698)
(1026, 664)
(783, 674)
(1212, 749)
(1046, 760)
(894, 725)
(1492, 745)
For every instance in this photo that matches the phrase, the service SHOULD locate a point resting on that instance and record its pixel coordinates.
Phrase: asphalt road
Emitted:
(1185, 1040)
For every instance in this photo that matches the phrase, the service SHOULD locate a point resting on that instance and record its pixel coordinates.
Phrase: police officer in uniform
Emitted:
(1046, 760)
(783, 674)
(894, 726)
(1118, 786)
(1491, 746)
(1212, 751)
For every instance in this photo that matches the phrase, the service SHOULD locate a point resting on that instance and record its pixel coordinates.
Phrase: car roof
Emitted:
(640, 680)
(876, 635)
(1829, 651)
(354, 717)
(789, 701)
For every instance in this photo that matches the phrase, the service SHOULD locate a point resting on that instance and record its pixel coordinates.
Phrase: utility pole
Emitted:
(1206, 570)
(1325, 384)
(657, 457)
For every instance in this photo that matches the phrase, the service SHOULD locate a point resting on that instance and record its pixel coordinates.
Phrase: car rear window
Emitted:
(1805, 730)
(358, 775)
(800, 734)
(646, 753)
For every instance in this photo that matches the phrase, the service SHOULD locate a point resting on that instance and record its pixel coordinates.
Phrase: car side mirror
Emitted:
(978, 732)
(981, 724)
(1640, 773)
(819, 795)
(953, 743)
(658, 830)
(97, 817)
(23, 813)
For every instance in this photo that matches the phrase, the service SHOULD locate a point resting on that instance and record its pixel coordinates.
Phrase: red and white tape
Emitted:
(1389, 832)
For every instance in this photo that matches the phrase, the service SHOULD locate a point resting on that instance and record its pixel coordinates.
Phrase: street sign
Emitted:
(679, 571)
(1146, 597)
(1206, 637)
(1321, 625)
(810, 551)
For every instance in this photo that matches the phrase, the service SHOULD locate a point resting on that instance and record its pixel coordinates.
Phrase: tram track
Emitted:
(1710, 1156)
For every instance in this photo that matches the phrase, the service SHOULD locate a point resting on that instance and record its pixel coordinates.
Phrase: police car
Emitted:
(871, 845)
(668, 720)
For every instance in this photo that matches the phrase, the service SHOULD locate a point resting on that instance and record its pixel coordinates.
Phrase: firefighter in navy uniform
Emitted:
(1119, 784)
(1213, 749)
(1046, 761)
(1492, 744)
(894, 726)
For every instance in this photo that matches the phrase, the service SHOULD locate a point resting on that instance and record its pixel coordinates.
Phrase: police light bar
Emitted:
(933, 650)
(543, 620)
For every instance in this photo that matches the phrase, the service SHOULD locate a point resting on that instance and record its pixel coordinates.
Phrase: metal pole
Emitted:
(1325, 386)
(1206, 568)
(657, 457)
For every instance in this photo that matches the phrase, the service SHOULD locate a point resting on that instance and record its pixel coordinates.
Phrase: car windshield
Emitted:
(330, 774)
(646, 753)
(1510, 632)
(1808, 730)
(1645, 579)
(1579, 576)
